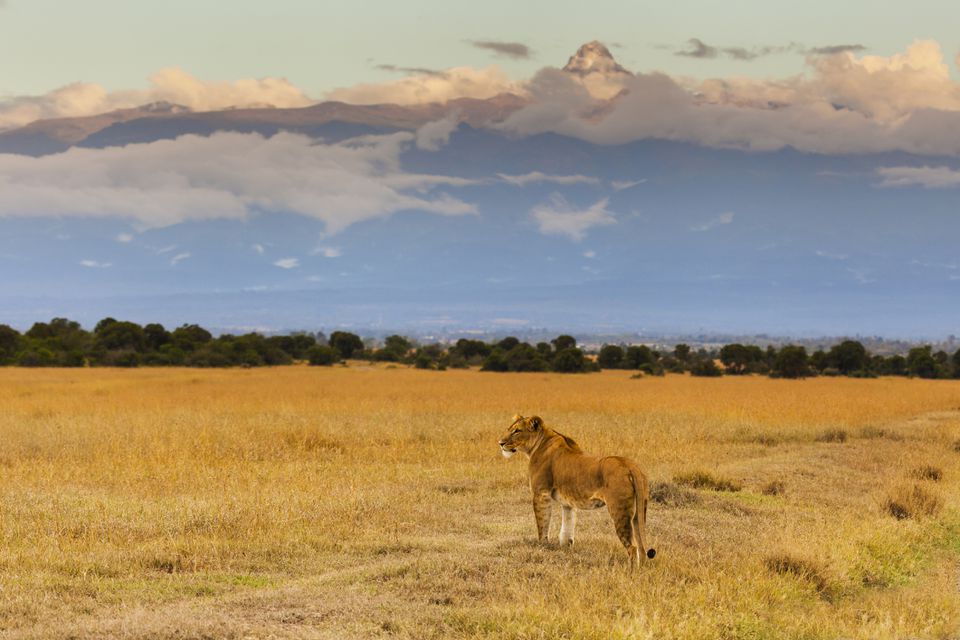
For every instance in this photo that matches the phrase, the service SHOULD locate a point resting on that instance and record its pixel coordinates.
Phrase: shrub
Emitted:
(706, 480)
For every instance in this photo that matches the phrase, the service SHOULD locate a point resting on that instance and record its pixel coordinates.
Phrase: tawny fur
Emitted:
(561, 472)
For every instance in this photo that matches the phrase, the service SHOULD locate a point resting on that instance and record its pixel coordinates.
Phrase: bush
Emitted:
(321, 356)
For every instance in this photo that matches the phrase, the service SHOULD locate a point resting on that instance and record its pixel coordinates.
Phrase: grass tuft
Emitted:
(774, 488)
(928, 472)
(914, 502)
(671, 495)
(832, 435)
(875, 433)
(803, 568)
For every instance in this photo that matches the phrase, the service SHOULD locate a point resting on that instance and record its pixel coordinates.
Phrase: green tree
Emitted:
(190, 337)
(394, 349)
(955, 360)
(706, 368)
(10, 342)
(736, 358)
(563, 342)
(347, 344)
(524, 357)
(792, 362)
(495, 361)
(611, 357)
(681, 352)
(848, 356)
(156, 336)
(636, 356)
(508, 343)
(920, 362)
(570, 360)
(322, 356)
(120, 336)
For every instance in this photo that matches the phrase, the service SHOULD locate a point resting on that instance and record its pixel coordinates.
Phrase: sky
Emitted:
(762, 170)
(320, 46)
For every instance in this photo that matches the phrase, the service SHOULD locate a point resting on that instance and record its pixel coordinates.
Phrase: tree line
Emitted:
(115, 343)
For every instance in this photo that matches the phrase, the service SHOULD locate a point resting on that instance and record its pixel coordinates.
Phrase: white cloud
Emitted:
(287, 263)
(927, 177)
(722, 219)
(538, 176)
(170, 85)
(423, 88)
(226, 176)
(258, 248)
(124, 237)
(93, 264)
(559, 217)
(831, 256)
(621, 185)
(327, 252)
(180, 257)
(434, 135)
(590, 254)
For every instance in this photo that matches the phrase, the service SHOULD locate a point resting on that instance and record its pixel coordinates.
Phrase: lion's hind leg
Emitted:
(622, 516)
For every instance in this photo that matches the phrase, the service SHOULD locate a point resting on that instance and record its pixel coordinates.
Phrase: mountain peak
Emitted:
(593, 57)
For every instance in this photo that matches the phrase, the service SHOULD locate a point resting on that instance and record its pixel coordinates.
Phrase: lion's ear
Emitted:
(536, 423)
(517, 417)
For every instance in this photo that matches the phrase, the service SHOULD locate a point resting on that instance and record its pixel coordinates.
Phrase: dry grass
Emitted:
(364, 502)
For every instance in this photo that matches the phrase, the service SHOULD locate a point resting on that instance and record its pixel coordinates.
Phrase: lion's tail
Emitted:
(641, 496)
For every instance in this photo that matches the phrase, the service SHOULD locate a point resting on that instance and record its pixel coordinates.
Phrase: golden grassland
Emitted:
(372, 502)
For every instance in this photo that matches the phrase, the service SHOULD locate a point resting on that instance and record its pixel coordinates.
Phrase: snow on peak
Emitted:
(593, 57)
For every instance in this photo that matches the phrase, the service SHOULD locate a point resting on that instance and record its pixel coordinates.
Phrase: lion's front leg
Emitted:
(542, 509)
(568, 524)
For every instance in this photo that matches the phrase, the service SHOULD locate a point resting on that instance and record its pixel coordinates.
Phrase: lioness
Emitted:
(560, 471)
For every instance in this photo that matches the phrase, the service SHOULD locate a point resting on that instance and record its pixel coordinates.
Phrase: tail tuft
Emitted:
(651, 553)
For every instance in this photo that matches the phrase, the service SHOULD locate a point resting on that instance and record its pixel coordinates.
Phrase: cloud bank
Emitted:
(927, 177)
(851, 105)
(423, 88)
(168, 85)
(226, 176)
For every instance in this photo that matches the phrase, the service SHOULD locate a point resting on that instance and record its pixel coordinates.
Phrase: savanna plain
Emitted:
(364, 501)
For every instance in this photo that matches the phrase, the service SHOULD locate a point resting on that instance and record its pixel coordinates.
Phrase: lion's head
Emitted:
(521, 435)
